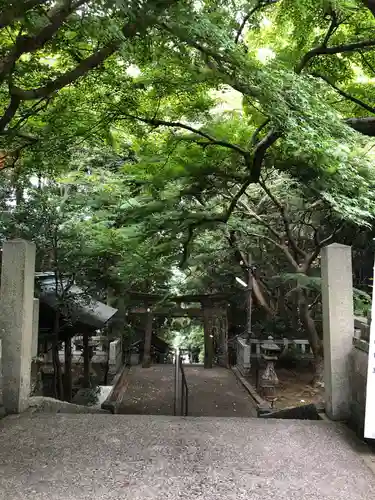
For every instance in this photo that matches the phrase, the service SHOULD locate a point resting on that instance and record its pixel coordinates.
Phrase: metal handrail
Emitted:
(181, 390)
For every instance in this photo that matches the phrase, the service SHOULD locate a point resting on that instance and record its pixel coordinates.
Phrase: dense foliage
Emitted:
(139, 137)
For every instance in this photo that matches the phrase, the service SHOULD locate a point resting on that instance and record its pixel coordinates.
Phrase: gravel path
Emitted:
(213, 392)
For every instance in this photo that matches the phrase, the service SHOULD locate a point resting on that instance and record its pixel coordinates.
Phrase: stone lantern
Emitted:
(268, 380)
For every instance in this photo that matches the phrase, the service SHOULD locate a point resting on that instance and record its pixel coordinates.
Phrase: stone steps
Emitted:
(113, 457)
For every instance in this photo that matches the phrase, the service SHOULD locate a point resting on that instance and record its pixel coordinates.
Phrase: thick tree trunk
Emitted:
(261, 300)
(313, 337)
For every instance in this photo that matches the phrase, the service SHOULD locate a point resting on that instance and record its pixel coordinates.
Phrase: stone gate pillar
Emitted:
(338, 327)
(16, 322)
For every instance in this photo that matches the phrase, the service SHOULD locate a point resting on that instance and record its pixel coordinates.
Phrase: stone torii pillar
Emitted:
(16, 322)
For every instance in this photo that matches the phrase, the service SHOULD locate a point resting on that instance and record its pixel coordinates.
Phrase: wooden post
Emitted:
(208, 340)
(86, 360)
(68, 370)
(146, 363)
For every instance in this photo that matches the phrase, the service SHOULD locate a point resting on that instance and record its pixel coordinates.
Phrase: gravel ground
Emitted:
(213, 392)
(140, 457)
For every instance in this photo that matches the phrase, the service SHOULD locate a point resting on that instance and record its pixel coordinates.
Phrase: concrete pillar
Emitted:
(34, 343)
(16, 322)
(338, 327)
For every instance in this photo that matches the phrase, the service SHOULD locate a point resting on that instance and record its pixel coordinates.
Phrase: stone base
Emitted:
(244, 369)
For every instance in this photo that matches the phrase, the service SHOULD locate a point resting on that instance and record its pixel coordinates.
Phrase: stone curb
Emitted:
(261, 404)
(115, 396)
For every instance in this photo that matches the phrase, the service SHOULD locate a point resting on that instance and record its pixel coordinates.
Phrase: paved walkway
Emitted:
(214, 392)
(113, 457)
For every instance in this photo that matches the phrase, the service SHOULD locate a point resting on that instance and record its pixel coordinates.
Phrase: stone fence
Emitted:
(247, 352)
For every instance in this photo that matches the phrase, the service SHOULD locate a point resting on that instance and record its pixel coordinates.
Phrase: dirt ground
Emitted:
(294, 388)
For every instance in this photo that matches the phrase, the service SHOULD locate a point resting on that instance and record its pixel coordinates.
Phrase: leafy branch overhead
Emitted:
(137, 138)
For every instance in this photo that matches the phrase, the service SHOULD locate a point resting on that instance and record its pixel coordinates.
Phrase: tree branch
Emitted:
(254, 138)
(365, 126)
(190, 235)
(338, 49)
(9, 112)
(351, 98)
(310, 258)
(246, 18)
(28, 44)
(236, 199)
(12, 14)
(283, 248)
(260, 152)
(258, 218)
(370, 66)
(66, 78)
(212, 140)
(240, 256)
(286, 222)
(258, 6)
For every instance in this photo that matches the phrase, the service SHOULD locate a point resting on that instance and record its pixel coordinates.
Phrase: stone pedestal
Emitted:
(16, 322)
(243, 357)
(338, 327)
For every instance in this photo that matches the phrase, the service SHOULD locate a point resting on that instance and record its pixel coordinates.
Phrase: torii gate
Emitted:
(212, 310)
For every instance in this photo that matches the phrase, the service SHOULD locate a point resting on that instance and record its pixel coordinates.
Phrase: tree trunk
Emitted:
(224, 338)
(146, 363)
(68, 370)
(57, 375)
(261, 300)
(313, 337)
